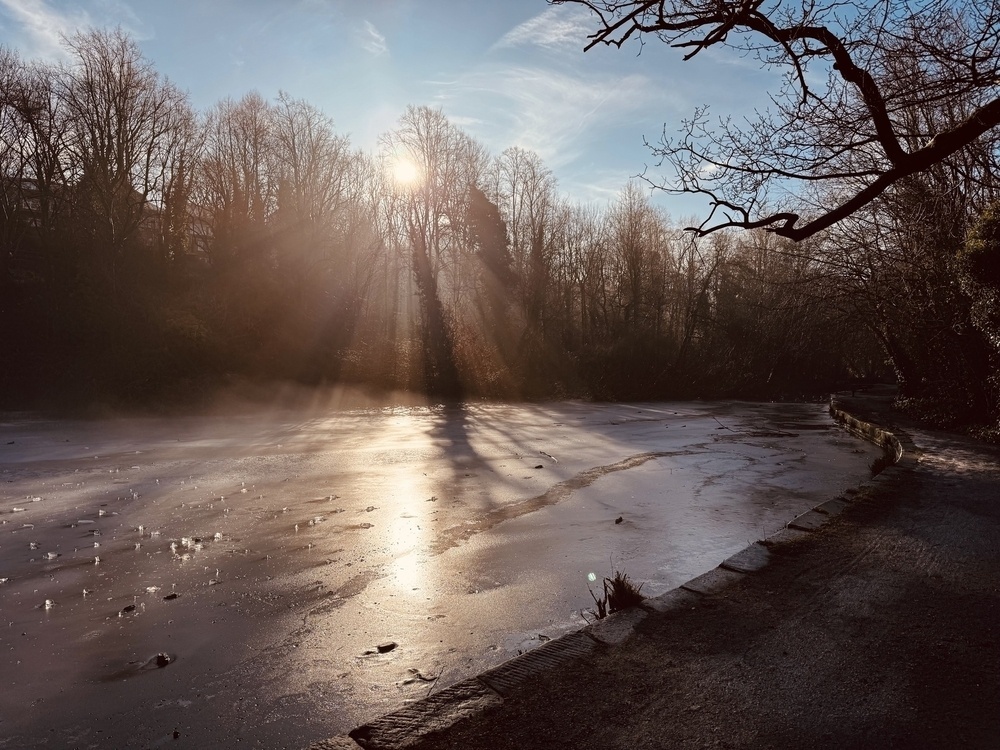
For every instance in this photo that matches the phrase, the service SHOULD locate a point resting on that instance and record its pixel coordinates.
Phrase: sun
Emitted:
(405, 171)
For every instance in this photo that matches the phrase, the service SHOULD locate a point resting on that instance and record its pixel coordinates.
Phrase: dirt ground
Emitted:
(881, 630)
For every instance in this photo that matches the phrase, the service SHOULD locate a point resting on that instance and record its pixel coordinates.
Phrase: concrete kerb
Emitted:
(897, 443)
(403, 728)
(749, 559)
(616, 628)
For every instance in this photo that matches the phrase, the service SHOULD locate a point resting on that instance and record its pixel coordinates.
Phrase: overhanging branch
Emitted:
(890, 65)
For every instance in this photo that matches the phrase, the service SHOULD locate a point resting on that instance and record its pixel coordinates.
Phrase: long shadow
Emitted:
(450, 433)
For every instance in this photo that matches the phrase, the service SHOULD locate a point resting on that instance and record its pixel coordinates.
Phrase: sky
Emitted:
(508, 72)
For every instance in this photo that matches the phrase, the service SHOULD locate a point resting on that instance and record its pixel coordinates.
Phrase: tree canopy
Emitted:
(873, 92)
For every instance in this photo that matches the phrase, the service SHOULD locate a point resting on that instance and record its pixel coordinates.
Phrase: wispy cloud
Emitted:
(372, 40)
(556, 27)
(559, 115)
(121, 13)
(43, 26)
(463, 121)
(40, 25)
(535, 89)
(602, 187)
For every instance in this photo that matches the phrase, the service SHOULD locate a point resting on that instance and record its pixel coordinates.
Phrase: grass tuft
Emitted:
(619, 593)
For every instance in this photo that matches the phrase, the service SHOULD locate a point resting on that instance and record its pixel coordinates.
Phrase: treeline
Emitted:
(153, 252)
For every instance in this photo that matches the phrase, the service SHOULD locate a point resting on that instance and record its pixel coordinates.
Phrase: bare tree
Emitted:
(447, 162)
(311, 170)
(525, 194)
(322, 233)
(586, 272)
(13, 166)
(633, 231)
(237, 178)
(126, 126)
(33, 157)
(855, 129)
(311, 167)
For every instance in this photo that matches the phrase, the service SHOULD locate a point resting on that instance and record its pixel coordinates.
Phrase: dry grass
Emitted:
(619, 593)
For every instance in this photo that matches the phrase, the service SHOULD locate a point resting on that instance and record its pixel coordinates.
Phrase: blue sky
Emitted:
(509, 72)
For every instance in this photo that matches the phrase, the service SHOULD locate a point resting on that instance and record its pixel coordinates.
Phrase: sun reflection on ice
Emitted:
(408, 533)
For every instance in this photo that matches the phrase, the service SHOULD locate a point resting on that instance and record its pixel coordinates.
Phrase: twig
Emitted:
(723, 426)
(433, 683)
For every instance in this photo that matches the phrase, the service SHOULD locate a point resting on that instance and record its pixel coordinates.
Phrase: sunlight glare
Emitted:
(405, 172)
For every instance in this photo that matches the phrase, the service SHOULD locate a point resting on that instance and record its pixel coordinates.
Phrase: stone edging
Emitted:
(405, 727)
(899, 444)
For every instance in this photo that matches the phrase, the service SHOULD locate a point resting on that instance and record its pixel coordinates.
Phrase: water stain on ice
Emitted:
(455, 535)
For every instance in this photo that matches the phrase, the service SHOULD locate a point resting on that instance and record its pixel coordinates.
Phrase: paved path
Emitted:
(879, 630)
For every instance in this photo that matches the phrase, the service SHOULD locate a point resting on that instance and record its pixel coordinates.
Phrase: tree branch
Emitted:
(896, 72)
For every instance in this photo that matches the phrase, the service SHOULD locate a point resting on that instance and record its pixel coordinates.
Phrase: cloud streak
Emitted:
(555, 28)
(373, 41)
(559, 115)
(43, 26)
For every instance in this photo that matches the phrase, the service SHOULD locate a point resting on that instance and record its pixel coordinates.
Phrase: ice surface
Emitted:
(250, 566)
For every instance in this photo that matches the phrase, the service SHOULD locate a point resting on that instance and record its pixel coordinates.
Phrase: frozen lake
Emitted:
(296, 543)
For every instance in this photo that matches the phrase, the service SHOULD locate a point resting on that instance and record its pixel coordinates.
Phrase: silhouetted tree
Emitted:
(854, 130)
(448, 162)
(127, 125)
(488, 232)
